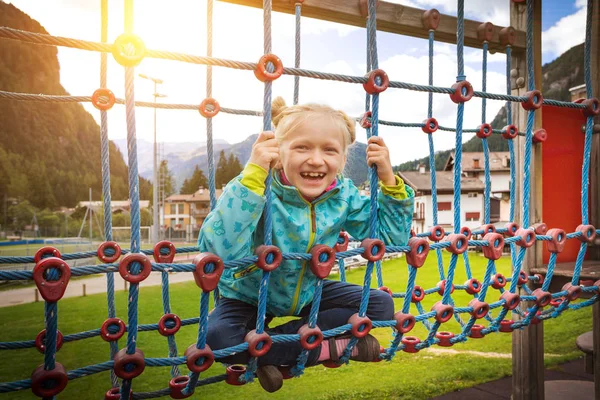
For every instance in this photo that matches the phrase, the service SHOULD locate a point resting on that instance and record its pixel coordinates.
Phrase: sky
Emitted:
(181, 26)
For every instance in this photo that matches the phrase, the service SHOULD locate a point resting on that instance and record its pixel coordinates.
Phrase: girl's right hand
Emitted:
(265, 151)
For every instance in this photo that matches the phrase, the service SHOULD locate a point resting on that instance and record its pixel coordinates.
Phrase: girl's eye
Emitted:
(331, 150)
(301, 147)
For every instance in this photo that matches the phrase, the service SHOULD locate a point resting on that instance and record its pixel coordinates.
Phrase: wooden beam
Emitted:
(595, 185)
(528, 344)
(394, 18)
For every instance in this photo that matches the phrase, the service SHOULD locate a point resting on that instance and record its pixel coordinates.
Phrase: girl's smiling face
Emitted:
(312, 154)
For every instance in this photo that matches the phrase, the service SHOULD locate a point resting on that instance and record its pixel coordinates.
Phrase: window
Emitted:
(173, 222)
(180, 208)
(472, 194)
(472, 216)
(173, 208)
(444, 206)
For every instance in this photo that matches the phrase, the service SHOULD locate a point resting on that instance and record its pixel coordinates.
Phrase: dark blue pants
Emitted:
(229, 322)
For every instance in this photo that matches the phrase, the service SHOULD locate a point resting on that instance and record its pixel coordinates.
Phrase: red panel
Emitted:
(562, 155)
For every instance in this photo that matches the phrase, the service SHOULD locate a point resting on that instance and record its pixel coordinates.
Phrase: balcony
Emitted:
(420, 216)
(200, 212)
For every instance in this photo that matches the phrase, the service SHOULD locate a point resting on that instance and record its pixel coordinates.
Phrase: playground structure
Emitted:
(521, 43)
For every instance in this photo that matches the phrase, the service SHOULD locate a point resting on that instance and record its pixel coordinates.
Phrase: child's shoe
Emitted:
(270, 378)
(367, 349)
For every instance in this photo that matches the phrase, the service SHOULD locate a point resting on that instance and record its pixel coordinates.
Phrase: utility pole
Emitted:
(155, 209)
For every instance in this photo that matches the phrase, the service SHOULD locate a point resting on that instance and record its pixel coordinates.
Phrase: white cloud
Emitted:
(566, 33)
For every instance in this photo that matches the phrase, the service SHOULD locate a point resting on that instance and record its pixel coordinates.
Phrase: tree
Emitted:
(235, 167)
(21, 214)
(221, 175)
(227, 169)
(167, 178)
(146, 189)
(192, 184)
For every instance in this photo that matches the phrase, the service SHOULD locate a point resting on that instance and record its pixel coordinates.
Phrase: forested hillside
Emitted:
(49, 152)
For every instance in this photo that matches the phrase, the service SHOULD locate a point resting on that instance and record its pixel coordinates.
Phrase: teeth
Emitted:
(312, 174)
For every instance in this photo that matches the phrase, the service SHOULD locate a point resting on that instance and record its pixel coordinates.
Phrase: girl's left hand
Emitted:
(378, 154)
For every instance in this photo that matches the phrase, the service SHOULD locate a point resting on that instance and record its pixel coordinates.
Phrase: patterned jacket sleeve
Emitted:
(229, 229)
(394, 214)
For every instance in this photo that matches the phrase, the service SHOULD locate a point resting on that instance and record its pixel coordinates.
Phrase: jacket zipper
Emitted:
(313, 230)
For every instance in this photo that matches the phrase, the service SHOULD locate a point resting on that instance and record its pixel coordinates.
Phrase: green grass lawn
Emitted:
(408, 376)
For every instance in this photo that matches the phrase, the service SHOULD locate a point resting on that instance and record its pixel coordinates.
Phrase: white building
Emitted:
(471, 198)
(472, 164)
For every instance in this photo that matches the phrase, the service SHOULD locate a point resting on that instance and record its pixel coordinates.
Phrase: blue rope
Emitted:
(484, 81)
(342, 269)
(298, 369)
(51, 317)
(430, 100)
(209, 128)
(373, 180)
(508, 86)
(201, 341)
(134, 196)
(106, 195)
(167, 310)
(459, 115)
(590, 120)
(297, 58)
(432, 169)
(135, 207)
(51, 309)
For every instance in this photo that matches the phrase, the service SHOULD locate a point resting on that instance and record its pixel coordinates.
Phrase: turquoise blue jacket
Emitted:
(232, 231)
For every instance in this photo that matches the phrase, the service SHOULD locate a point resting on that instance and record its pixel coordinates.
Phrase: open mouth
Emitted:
(312, 175)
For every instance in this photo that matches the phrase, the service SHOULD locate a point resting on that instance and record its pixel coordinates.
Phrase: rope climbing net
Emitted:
(51, 272)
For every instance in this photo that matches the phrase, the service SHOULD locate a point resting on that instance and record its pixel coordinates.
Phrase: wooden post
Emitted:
(36, 294)
(528, 345)
(84, 290)
(594, 251)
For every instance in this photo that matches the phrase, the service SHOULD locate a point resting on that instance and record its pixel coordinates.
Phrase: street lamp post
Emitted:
(155, 211)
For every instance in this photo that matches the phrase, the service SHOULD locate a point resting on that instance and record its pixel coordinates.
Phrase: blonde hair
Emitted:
(286, 119)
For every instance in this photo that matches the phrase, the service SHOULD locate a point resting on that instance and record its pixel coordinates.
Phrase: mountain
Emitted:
(182, 165)
(557, 77)
(49, 152)
(175, 152)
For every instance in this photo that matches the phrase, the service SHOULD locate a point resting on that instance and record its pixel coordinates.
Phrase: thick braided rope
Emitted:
(373, 180)
(15, 34)
(422, 317)
(486, 152)
(530, 118)
(430, 95)
(585, 169)
(297, 44)
(590, 120)
(204, 297)
(167, 310)
(134, 193)
(432, 169)
(268, 224)
(298, 369)
(106, 196)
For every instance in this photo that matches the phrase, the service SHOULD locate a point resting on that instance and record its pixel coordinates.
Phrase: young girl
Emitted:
(312, 202)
